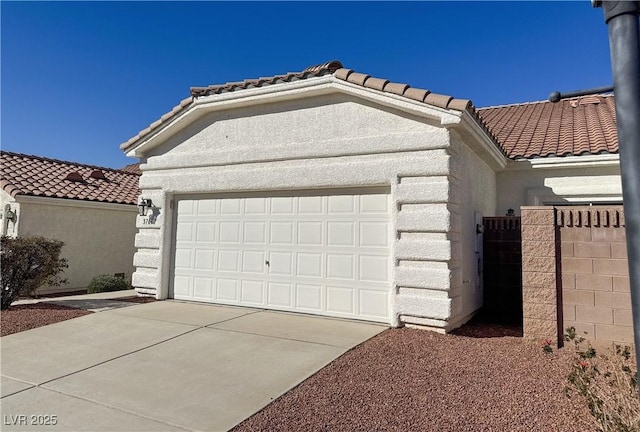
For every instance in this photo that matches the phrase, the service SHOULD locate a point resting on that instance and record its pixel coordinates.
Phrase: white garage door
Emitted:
(320, 254)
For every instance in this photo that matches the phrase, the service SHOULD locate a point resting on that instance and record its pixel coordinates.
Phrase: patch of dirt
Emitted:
(483, 378)
(25, 317)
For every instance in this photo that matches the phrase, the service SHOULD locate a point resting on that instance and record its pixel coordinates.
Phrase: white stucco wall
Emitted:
(476, 183)
(570, 180)
(324, 142)
(98, 237)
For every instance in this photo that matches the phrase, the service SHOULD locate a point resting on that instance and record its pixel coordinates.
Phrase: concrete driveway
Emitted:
(163, 366)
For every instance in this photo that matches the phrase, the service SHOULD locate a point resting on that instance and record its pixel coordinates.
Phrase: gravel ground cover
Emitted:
(28, 316)
(483, 378)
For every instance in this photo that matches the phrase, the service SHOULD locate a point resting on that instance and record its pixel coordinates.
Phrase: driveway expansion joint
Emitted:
(106, 405)
(212, 327)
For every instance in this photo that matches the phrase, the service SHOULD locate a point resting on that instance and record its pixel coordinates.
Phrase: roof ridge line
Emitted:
(608, 94)
(48, 159)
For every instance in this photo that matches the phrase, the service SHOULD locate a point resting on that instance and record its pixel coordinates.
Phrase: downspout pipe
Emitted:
(624, 42)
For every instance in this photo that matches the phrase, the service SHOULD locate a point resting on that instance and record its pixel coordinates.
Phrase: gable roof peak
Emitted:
(330, 66)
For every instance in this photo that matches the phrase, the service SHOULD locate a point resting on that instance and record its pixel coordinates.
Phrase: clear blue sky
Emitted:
(80, 78)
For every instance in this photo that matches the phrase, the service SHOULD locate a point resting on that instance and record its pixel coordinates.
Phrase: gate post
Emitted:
(539, 276)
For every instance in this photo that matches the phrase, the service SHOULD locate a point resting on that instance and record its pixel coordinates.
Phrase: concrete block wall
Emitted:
(575, 274)
(539, 277)
(595, 277)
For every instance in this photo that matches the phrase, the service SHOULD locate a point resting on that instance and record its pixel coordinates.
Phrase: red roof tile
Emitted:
(132, 168)
(332, 67)
(571, 127)
(38, 176)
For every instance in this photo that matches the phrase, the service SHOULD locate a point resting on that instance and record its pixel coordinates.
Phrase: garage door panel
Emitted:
(309, 297)
(374, 204)
(205, 259)
(374, 268)
(257, 206)
(323, 254)
(341, 204)
(253, 262)
(310, 233)
(183, 259)
(206, 232)
(281, 233)
(228, 260)
(207, 207)
(309, 265)
(341, 234)
(341, 300)
(227, 290)
(282, 206)
(184, 231)
(340, 266)
(181, 285)
(203, 287)
(252, 292)
(230, 206)
(255, 232)
(310, 205)
(374, 304)
(230, 232)
(280, 295)
(281, 263)
(374, 234)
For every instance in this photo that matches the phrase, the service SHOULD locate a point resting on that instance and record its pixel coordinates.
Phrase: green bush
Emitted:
(106, 283)
(28, 263)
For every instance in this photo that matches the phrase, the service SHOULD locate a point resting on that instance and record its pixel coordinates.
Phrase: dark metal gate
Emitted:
(502, 244)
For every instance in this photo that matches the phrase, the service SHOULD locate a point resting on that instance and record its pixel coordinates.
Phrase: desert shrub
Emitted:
(28, 263)
(608, 383)
(106, 283)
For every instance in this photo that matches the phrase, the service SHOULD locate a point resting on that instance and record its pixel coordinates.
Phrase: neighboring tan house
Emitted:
(334, 193)
(91, 209)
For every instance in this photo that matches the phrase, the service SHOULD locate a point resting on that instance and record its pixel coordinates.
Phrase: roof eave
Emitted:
(75, 202)
(560, 162)
(480, 141)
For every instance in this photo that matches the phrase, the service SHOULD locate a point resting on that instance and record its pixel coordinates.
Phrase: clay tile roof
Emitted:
(572, 127)
(38, 176)
(132, 168)
(337, 70)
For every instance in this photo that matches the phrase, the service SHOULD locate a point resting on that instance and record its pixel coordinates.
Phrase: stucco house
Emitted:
(335, 193)
(91, 209)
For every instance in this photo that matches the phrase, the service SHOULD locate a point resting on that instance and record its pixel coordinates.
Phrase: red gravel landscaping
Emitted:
(415, 380)
(481, 378)
(28, 316)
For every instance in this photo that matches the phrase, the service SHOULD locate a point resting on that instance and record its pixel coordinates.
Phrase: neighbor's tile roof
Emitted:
(132, 168)
(333, 67)
(38, 176)
(571, 127)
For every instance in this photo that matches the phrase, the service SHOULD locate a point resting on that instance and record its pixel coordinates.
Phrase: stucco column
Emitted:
(539, 291)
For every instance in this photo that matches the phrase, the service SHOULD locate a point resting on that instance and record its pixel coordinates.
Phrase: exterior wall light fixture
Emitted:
(9, 214)
(511, 212)
(143, 205)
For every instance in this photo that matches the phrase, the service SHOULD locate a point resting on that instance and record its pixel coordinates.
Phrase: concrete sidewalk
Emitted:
(97, 302)
(163, 366)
